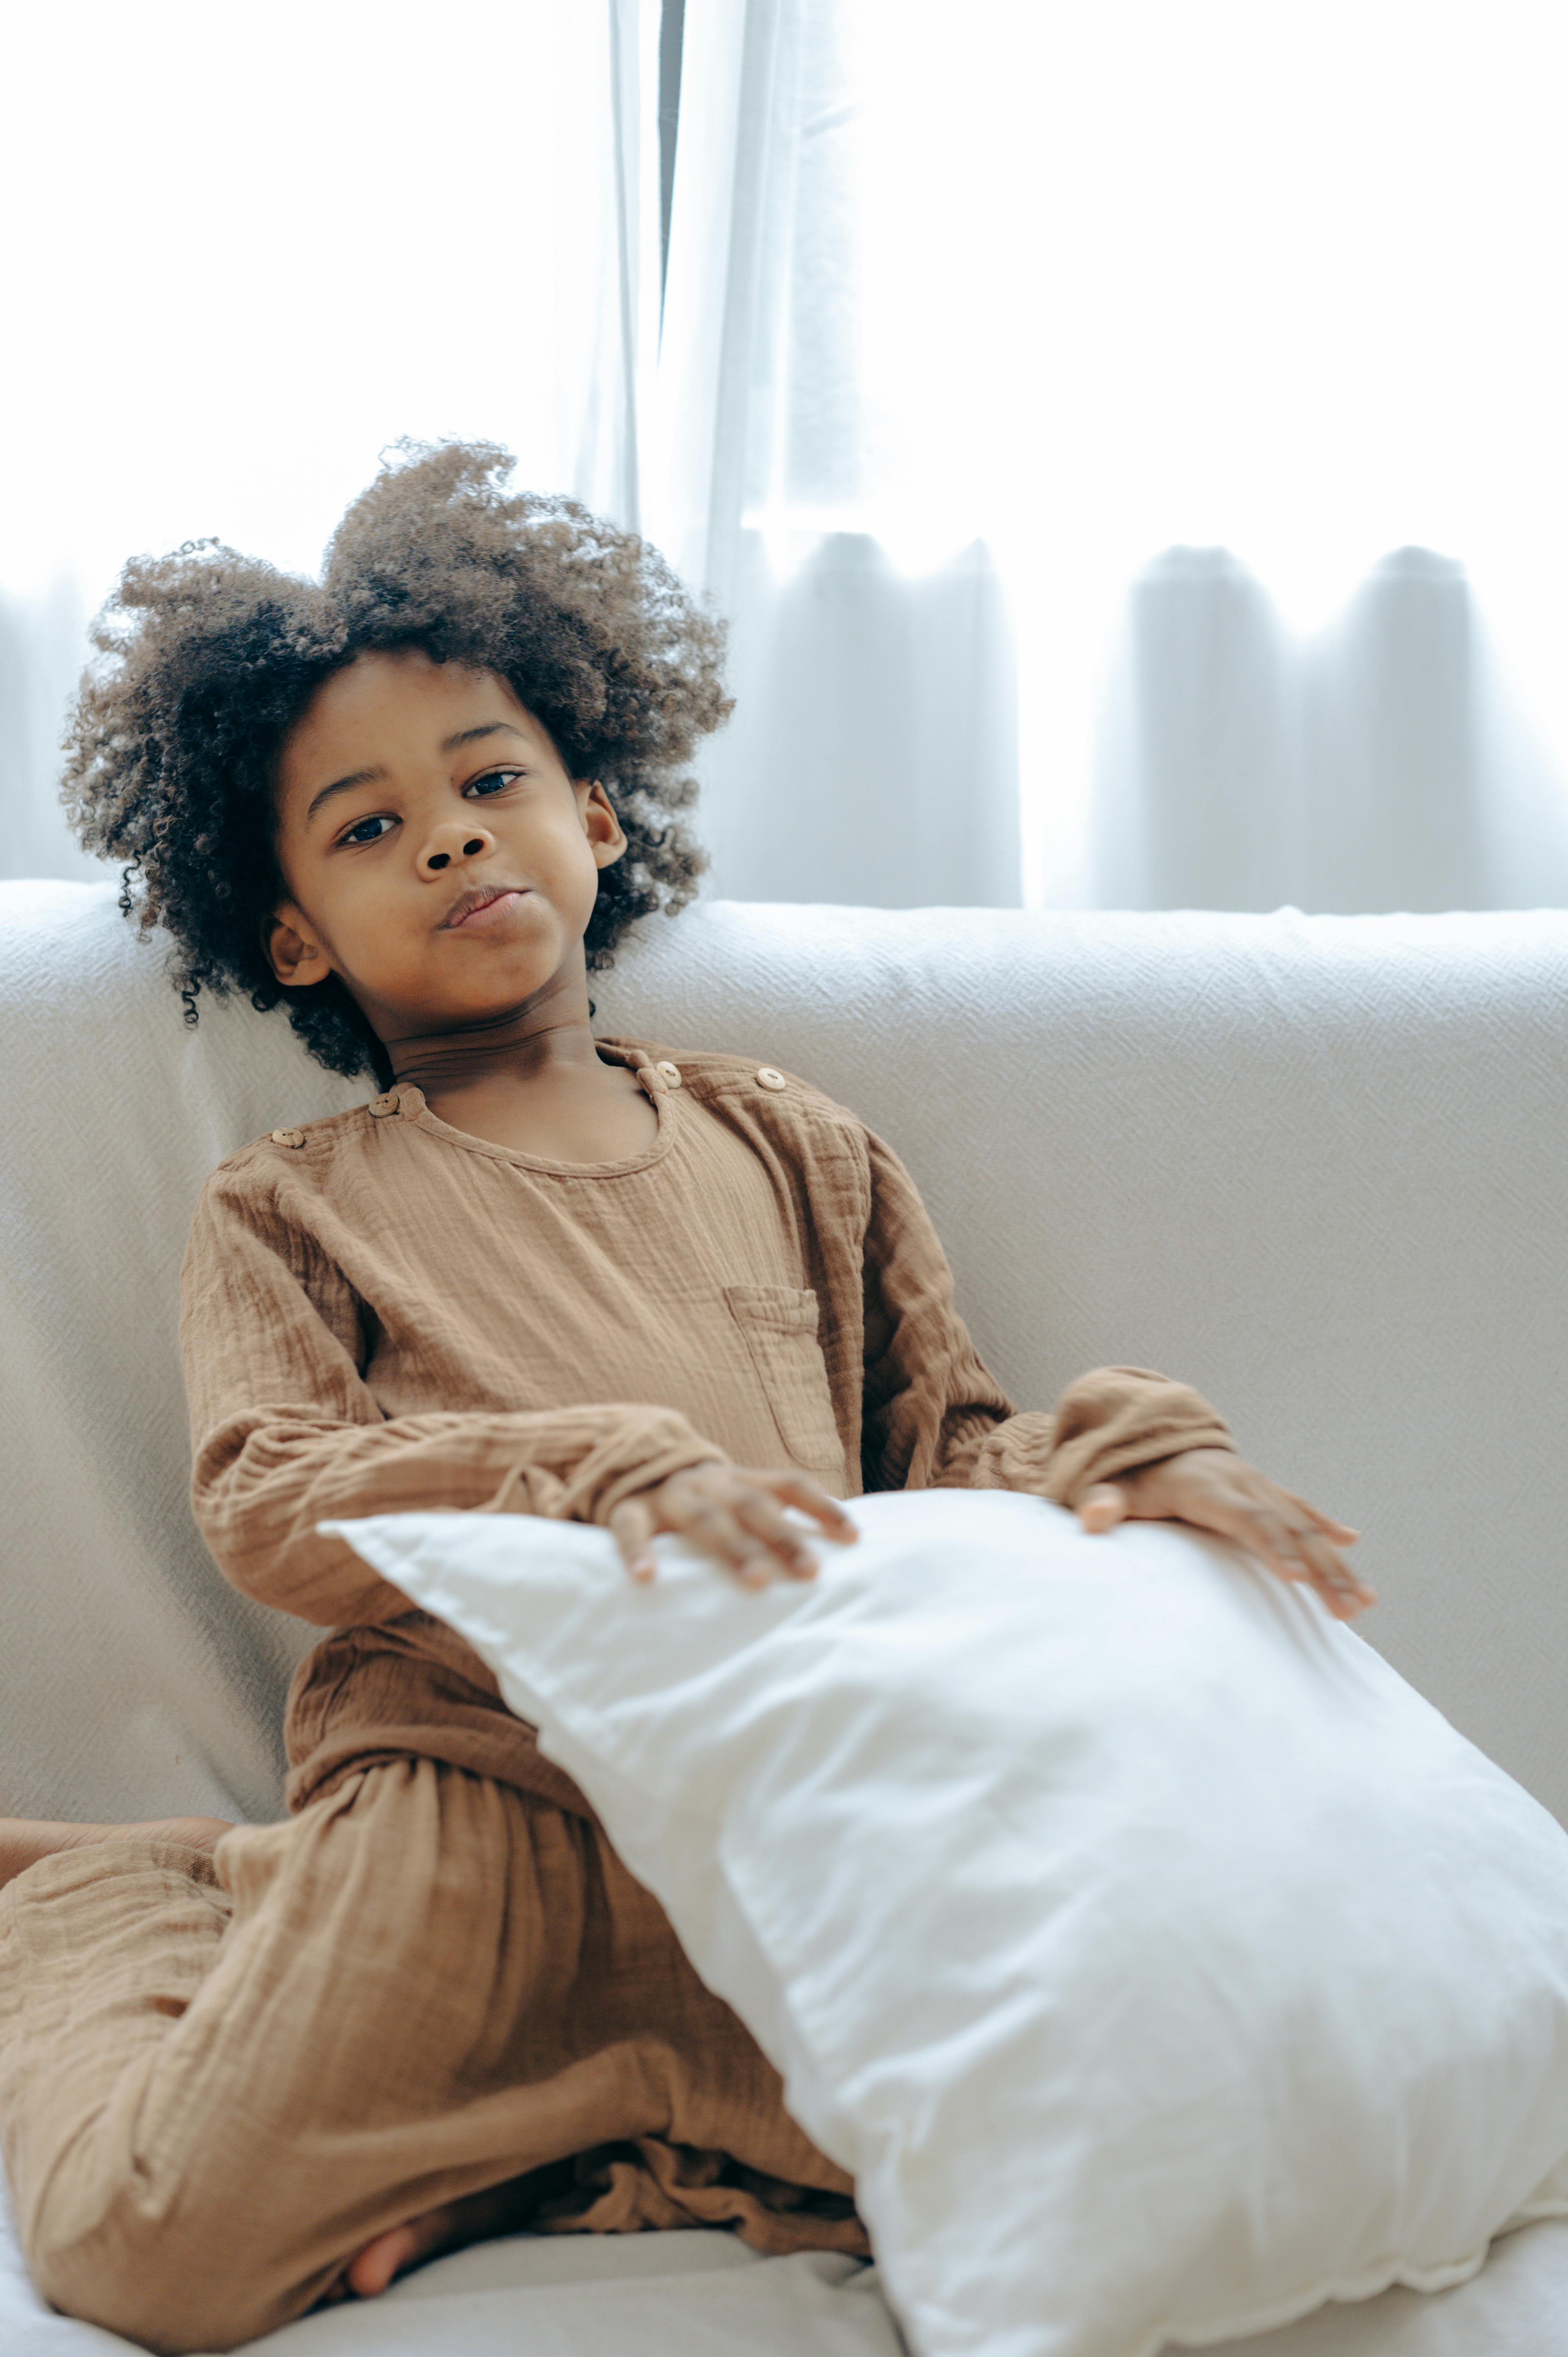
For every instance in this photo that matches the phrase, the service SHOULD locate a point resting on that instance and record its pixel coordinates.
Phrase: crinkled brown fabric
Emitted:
(397, 1315)
(217, 2081)
(644, 2182)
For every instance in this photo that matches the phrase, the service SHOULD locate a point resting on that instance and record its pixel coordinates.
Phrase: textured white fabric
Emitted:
(1157, 1962)
(608, 2296)
(134, 1681)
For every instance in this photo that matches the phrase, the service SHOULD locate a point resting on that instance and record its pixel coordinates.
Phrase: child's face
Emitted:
(405, 786)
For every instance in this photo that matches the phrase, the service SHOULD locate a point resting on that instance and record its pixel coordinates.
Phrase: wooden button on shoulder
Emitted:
(652, 1079)
(671, 1072)
(769, 1079)
(378, 1107)
(288, 1137)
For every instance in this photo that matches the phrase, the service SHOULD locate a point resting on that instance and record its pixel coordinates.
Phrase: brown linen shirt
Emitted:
(382, 1312)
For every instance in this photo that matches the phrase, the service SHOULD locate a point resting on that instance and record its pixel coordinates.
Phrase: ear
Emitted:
(293, 952)
(600, 824)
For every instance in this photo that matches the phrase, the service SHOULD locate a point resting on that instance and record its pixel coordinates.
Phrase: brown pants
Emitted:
(217, 2081)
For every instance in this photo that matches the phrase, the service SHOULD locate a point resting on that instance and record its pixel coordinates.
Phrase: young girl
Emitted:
(246, 2070)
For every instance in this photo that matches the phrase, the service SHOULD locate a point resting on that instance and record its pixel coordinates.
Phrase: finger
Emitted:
(765, 1519)
(794, 1490)
(1341, 1590)
(1298, 1552)
(1261, 1529)
(632, 1525)
(1101, 1508)
(718, 1533)
(1340, 1532)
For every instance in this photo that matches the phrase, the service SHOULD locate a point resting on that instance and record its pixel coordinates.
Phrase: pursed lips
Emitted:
(474, 904)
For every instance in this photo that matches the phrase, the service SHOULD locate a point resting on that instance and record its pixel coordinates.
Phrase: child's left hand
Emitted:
(1216, 1491)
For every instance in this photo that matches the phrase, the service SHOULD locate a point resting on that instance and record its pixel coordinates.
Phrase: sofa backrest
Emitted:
(1313, 1165)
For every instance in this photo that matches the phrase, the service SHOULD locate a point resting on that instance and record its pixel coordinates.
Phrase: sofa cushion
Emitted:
(1312, 1165)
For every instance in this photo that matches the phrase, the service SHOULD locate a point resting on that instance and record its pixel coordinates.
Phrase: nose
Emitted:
(452, 841)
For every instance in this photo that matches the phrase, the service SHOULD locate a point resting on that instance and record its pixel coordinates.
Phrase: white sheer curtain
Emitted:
(245, 251)
(1126, 440)
(1224, 339)
(1379, 762)
(873, 753)
(42, 645)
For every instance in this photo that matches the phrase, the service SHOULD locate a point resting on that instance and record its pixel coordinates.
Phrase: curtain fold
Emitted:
(1378, 763)
(42, 645)
(873, 756)
(608, 471)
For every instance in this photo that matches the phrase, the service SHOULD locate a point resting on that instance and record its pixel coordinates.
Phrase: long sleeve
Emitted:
(934, 1417)
(286, 1433)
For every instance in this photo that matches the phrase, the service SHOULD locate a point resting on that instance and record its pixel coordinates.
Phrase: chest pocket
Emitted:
(780, 1323)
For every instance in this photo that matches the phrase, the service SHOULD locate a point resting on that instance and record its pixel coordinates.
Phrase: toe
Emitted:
(370, 2271)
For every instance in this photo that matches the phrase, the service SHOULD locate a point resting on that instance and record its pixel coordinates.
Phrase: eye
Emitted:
(356, 833)
(494, 781)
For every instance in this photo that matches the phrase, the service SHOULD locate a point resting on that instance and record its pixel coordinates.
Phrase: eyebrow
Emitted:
(448, 745)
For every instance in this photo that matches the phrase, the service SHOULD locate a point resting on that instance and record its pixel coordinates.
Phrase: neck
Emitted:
(520, 1046)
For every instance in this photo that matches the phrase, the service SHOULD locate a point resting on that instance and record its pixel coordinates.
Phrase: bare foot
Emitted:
(25, 1840)
(478, 2218)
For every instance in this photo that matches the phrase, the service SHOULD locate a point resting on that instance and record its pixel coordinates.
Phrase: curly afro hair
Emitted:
(206, 660)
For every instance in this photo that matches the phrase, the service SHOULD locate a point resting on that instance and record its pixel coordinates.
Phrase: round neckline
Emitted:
(412, 1107)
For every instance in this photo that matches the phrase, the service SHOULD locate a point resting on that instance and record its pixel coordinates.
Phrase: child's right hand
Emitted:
(736, 1516)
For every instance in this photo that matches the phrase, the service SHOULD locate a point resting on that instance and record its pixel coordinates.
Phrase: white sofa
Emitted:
(1314, 1165)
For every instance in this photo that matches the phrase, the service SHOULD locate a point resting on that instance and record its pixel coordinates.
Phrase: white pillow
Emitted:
(1160, 1964)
